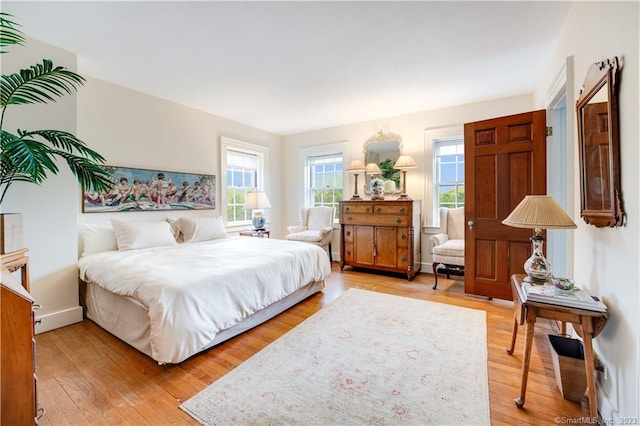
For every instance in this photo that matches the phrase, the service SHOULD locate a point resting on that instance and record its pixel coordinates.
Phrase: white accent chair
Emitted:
(316, 227)
(448, 245)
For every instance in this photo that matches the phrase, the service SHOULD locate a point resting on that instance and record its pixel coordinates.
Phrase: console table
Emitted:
(587, 324)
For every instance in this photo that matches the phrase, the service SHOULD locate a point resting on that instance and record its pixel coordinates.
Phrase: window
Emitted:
(244, 172)
(325, 180)
(449, 172)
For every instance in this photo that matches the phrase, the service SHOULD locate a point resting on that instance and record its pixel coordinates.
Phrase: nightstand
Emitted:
(262, 233)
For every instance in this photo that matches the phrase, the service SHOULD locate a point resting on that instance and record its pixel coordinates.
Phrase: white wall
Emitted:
(606, 259)
(49, 211)
(411, 128)
(133, 129)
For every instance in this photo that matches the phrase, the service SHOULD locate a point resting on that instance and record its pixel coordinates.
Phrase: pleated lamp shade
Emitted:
(539, 211)
(405, 162)
(372, 169)
(355, 166)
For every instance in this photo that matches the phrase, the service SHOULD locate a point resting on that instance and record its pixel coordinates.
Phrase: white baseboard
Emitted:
(58, 319)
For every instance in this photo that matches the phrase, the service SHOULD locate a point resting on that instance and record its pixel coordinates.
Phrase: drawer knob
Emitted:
(402, 210)
(398, 220)
(378, 210)
(346, 209)
(404, 259)
(349, 218)
(403, 237)
(348, 233)
(368, 209)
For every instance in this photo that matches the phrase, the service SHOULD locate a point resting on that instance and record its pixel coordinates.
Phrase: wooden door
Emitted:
(505, 159)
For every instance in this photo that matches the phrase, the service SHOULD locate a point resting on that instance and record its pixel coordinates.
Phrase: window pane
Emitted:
(325, 180)
(449, 173)
(242, 172)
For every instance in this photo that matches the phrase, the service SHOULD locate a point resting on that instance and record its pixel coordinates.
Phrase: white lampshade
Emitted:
(256, 200)
(372, 169)
(355, 166)
(405, 162)
(539, 211)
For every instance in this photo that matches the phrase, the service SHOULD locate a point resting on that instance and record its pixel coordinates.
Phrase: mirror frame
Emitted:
(601, 75)
(381, 137)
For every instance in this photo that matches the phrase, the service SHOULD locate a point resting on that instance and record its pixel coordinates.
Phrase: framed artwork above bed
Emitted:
(152, 190)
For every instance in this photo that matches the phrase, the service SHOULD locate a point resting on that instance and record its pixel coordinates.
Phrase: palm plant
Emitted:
(29, 155)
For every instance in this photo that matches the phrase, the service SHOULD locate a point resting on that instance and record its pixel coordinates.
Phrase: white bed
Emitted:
(173, 301)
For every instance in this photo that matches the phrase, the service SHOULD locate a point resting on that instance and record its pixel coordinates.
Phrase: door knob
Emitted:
(470, 223)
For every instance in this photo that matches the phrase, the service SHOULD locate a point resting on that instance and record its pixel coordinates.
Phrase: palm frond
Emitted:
(26, 157)
(9, 34)
(41, 83)
(65, 141)
(90, 175)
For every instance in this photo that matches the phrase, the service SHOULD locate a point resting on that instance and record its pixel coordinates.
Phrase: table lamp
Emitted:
(403, 163)
(257, 201)
(538, 212)
(356, 166)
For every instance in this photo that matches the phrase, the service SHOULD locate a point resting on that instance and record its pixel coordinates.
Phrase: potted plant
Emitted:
(30, 155)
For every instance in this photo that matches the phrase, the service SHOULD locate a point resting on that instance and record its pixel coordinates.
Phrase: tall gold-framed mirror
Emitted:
(599, 147)
(383, 149)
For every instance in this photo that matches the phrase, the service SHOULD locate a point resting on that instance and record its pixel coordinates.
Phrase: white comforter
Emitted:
(193, 291)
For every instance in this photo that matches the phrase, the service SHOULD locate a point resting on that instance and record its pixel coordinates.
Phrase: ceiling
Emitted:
(291, 67)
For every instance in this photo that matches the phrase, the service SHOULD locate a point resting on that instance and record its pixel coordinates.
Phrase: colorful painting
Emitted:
(152, 190)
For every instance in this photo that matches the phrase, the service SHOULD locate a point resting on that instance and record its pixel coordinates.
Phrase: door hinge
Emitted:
(549, 131)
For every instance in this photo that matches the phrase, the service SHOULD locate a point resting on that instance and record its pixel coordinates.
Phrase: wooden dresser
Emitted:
(17, 353)
(381, 235)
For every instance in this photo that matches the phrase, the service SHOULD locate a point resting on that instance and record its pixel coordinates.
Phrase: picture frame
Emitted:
(152, 190)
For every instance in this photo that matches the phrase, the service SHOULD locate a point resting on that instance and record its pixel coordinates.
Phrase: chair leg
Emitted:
(330, 254)
(435, 274)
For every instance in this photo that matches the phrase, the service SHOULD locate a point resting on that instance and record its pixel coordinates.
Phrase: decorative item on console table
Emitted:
(381, 235)
(376, 185)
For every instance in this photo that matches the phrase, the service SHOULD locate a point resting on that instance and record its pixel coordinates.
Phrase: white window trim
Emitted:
(431, 218)
(264, 182)
(340, 147)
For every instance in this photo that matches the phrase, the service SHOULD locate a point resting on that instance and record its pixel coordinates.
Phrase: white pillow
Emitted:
(175, 228)
(201, 229)
(97, 238)
(137, 235)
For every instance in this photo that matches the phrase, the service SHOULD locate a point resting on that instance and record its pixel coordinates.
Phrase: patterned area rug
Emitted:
(367, 358)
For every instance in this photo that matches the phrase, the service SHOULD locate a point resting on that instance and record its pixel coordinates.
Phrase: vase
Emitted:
(377, 189)
(389, 186)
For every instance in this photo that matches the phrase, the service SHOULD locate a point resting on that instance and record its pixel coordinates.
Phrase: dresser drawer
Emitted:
(348, 252)
(391, 220)
(403, 258)
(360, 219)
(394, 209)
(357, 208)
(348, 233)
(403, 237)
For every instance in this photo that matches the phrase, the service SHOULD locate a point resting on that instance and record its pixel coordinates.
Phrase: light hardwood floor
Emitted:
(87, 376)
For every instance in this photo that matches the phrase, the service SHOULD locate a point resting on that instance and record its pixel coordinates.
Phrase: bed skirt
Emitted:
(128, 320)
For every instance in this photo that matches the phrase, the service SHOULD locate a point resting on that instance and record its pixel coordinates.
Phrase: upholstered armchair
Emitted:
(316, 227)
(448, 245)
